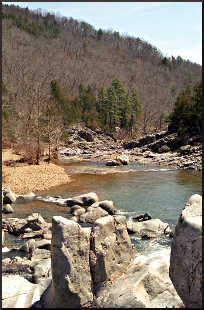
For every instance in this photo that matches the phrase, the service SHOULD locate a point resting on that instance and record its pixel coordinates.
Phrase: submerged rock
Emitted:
(186, 254)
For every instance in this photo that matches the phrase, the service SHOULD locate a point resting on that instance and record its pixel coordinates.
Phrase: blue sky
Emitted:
(175, 28)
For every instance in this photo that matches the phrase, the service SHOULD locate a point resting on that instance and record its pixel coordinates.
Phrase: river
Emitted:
(134, 189)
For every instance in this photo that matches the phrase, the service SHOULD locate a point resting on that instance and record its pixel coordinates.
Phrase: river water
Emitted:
(134, 189)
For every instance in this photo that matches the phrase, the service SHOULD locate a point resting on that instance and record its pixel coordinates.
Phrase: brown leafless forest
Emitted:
(39, 47)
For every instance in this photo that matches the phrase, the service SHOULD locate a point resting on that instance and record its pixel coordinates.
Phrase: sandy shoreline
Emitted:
(31, 178)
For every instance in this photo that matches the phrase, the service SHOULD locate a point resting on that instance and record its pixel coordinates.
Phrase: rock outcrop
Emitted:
(84, 257)
(145, 284)
(186, 254)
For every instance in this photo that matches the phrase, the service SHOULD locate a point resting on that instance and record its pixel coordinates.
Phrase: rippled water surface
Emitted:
(134, 189)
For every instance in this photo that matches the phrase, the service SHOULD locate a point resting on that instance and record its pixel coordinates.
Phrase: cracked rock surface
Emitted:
(186, 254)
(84, 257)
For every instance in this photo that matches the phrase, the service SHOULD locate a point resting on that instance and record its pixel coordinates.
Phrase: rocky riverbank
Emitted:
(162, 148)
(88, 260)
(97, 243)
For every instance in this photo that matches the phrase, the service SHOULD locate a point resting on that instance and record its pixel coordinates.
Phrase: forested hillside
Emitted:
(58, 70)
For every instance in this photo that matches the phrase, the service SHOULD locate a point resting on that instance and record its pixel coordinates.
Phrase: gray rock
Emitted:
(18, 292)
(14, 225)
(113, 162)
(47, 236)
(86, 136)
(33, 234)
(82, 200)
(107, 205)
(25, 198)
(124, 159)
(164, 149)
(29, 246)
(83, 257)
(92, 214)
(7, 209)
(18, 265)
(185, 149)
(186, 254)
(142, 217)
(8, 196)
(40, 254)
(42, 270)
(72, 284)
(111, 249)
(77, 210)
(145, 284)
(3, 237)
(150, 229)
(43, 244)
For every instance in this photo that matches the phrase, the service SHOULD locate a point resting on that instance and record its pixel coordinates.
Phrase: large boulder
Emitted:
(82, 200)
(72, 283)
(148, 229)
(186, 254)
(92, 214)
(145, 284)
(84, 257)
(107, 205)
(111, 249)
(18, 292)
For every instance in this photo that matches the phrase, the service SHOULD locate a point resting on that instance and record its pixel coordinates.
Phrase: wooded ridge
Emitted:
(58, 70)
